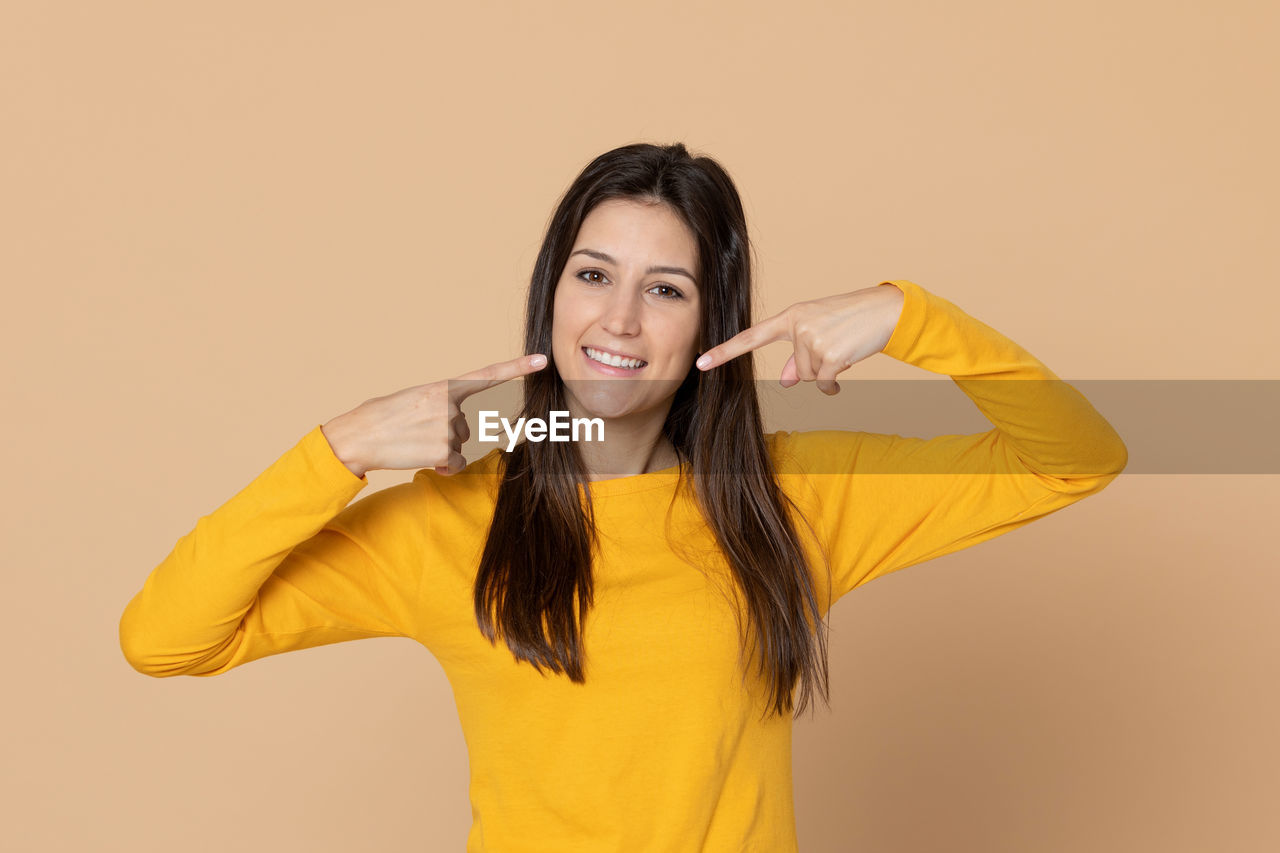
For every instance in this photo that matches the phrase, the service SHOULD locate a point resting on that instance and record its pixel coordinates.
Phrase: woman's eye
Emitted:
(670, 292)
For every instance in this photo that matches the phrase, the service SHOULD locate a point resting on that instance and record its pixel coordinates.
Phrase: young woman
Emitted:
(624, 622)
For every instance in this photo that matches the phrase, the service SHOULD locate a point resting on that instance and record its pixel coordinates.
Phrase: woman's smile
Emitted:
(602, 361)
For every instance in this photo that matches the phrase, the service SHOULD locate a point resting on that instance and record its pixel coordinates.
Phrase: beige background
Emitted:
(224, 224)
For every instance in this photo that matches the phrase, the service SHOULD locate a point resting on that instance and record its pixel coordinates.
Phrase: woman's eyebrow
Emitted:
(601, 256)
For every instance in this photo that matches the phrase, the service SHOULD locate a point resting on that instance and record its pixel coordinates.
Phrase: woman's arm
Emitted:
(280, 566)
(912, 499)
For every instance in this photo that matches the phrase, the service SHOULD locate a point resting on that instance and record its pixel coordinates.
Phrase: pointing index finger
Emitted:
(495, 374)
(752, 338)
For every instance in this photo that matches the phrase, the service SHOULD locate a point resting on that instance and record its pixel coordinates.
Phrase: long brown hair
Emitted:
(537, 558)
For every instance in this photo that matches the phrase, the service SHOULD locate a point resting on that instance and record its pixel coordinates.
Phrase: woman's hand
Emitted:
(830, 335)
(418, 427)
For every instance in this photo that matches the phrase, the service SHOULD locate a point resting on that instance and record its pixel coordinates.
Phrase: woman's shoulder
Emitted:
(478, 482)
(821, 451)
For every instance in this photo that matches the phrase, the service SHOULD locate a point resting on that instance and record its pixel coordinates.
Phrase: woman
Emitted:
(624, 622)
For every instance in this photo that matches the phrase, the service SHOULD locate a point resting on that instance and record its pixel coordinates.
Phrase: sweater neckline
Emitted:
(663, 478)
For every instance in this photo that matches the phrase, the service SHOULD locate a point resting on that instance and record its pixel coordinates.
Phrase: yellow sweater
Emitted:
(662, 749)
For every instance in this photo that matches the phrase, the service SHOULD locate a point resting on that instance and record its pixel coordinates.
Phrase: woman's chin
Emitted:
(607, 399)
(607, 409)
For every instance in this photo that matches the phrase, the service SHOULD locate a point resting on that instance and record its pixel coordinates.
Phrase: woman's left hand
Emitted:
(830, 335)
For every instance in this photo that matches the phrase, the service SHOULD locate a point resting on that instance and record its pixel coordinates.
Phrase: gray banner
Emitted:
(1169, 426)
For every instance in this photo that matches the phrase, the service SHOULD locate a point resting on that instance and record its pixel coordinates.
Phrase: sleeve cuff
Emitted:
(325, 462)
(910, 321)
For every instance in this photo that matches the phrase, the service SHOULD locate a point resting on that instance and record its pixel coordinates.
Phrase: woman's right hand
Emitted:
(418, 427)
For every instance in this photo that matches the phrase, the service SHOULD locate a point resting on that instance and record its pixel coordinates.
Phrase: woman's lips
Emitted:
(609, 369)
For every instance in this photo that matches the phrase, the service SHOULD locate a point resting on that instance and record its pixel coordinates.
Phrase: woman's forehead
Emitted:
(629, 234)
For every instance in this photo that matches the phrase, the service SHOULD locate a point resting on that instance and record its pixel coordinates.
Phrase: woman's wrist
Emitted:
(341, 440)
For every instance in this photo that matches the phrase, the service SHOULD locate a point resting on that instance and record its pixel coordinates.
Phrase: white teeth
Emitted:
(614, 360)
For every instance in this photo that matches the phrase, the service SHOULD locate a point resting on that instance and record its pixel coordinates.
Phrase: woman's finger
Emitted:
(805, 370)
(459, 428)
(776, 328)
(826, 378)
(494, 374)
(788, 377)
(456, 463)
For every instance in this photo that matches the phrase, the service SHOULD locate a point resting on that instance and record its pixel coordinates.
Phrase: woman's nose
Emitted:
(622, 313)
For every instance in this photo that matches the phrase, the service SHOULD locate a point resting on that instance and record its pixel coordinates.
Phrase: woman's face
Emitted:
(629, 289)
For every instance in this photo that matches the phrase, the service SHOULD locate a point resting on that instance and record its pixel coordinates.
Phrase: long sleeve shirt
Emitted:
(665, 747)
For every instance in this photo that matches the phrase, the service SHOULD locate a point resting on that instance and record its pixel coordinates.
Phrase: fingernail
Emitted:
(704, 361)
(538, 360)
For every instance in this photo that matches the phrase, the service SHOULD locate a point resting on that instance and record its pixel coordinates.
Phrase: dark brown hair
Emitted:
(537, 558)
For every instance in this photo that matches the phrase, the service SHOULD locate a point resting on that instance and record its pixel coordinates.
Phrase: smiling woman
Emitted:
(646, 261)
(625, 623)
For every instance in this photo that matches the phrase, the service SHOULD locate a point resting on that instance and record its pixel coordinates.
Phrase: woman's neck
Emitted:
(632, 445)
